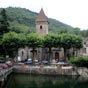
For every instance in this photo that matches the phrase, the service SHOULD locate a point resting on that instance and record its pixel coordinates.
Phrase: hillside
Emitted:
(23, 20)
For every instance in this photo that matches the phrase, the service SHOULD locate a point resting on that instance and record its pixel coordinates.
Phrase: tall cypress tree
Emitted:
(4, 25)
(4, 28)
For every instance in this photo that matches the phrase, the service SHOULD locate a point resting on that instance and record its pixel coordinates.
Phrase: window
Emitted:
(40, 26)
(84, 50)
(22, 53)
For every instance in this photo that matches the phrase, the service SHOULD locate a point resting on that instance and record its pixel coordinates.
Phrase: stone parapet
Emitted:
(47, 70)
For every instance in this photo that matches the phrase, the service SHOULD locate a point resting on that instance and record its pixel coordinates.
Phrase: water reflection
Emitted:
(27, 81)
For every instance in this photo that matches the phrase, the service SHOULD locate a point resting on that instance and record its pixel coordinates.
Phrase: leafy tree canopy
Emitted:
(34, 40)
(13, 40)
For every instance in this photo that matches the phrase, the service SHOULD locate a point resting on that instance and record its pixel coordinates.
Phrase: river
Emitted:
(41, 81)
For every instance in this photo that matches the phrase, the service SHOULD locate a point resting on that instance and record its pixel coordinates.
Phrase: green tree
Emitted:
(66, 43)
(33, 41)
(84, 33)
(50, 40)
(77, 42)
(70, 41)
(4, 25)
(4, 28)
(12, 41)
(77, 31)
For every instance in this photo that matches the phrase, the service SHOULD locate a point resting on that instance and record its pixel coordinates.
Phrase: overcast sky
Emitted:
(71, 12)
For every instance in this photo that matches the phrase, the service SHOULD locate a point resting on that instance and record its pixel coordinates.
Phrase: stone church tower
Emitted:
(41, 23)
(42, 29)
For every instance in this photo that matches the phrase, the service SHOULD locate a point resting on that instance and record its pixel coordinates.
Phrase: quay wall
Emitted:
(45, 70)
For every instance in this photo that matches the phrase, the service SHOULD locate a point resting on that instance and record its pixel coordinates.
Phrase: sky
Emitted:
(71, 12)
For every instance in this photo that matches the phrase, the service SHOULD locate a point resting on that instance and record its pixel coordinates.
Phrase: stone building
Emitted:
(41, 53)
(85, 47)
(84, 50)
(41, 24)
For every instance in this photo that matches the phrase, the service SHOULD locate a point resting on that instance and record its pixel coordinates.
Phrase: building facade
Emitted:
(84, 50)
(41, 53)
(41, 24)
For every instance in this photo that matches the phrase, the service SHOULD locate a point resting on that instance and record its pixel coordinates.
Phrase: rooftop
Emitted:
(41, 16)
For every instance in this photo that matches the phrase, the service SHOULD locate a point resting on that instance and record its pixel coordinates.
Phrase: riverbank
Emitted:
(4, 73)
(45, 70)
(17, 80)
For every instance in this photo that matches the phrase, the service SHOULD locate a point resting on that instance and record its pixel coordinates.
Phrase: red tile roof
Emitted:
(41, 16)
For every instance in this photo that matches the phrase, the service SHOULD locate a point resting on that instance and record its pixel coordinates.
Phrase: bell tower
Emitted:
(41, 23)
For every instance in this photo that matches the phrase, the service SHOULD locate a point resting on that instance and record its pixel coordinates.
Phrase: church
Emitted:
(42, 26)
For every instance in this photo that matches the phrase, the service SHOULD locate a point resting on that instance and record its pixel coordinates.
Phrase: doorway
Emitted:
(56, 56)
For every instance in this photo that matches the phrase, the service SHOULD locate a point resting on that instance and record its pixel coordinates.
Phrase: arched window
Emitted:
(84, 50)
(56, 56)
(22, 53)
(40, 26)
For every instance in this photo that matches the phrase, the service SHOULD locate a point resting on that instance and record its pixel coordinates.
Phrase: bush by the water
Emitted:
(79, 61)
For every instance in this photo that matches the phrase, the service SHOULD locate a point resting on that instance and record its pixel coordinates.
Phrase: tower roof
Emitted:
(41, 16)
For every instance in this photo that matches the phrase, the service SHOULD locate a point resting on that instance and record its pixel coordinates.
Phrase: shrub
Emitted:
(79, 61)
(7, 57)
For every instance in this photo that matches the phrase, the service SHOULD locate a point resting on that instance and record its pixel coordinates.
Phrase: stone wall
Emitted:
(45, 70)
